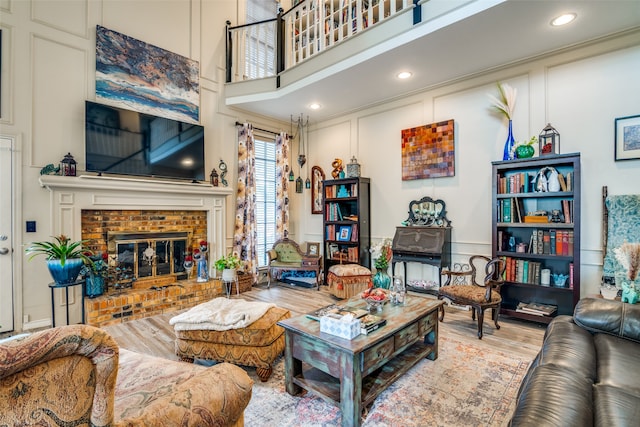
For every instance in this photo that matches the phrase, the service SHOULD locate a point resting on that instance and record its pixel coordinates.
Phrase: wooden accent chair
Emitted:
(462, 288)
(286, 255)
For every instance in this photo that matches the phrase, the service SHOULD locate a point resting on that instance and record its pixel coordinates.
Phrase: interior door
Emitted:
(6, 235)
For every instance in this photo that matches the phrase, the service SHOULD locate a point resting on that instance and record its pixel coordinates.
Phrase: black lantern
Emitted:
(549, 141)
(299, 185)
(214, 177)
(292, 177)
(68, 166)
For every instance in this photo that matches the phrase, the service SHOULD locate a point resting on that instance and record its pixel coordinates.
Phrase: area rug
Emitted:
(468, 385)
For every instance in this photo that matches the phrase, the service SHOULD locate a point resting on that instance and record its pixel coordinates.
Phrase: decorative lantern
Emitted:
(214, 177)
(307, 184)
(299, 185)
(353, 168)
(68, 166)
(549, 141)
(292, 177)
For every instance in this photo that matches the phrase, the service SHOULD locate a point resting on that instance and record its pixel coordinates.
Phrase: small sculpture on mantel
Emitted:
(429, 212)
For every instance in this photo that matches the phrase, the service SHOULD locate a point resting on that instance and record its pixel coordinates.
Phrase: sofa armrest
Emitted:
(79, 359)
(158, 392)
(611, 317)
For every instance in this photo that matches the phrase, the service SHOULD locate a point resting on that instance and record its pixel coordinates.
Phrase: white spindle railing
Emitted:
(314, 25)
(310, 27)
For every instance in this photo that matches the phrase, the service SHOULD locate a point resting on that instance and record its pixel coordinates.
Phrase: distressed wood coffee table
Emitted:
(352, 373)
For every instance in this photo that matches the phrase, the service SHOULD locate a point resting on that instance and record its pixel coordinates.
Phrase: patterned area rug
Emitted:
(468, 385)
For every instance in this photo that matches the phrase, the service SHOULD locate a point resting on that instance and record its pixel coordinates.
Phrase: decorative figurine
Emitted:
(337, 168)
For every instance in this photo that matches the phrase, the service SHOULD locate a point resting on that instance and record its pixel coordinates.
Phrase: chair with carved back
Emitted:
(462, 288)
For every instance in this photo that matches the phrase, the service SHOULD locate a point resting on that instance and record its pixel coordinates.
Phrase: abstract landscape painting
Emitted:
(142, 77)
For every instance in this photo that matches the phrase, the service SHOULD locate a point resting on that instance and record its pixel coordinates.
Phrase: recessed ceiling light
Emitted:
(404, 75)
(563, 19)
(314, 106)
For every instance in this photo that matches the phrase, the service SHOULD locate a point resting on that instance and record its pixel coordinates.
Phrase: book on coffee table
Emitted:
(370, 323)
(337, 310)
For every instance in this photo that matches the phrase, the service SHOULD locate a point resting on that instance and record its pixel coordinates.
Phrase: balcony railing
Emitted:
(266, 48)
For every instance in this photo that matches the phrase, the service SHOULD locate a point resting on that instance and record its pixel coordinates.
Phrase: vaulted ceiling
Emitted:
(472, 38)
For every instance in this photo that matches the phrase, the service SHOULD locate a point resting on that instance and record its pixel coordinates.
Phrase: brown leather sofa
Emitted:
(77, 375)
(588, 370)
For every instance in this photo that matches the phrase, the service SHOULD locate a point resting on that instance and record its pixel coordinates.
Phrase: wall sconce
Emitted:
(68, 166)
(549, 141)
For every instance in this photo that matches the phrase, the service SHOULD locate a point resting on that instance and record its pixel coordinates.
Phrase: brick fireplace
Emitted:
(97, 208)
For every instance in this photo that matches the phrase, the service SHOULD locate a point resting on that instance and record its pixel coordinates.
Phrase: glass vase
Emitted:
(508, 153)
(381, 280)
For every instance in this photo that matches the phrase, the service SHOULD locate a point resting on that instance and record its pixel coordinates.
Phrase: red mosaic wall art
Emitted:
(428, 151)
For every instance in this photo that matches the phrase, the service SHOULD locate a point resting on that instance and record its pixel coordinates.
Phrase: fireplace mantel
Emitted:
(70, 195)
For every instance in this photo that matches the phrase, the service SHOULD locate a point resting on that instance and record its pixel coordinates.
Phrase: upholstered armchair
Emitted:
(462, 287)
(76, 375)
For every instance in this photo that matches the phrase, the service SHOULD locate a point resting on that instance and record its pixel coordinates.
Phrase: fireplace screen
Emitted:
(151, 254)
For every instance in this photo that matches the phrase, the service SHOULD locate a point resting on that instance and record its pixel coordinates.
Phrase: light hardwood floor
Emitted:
(154, 335)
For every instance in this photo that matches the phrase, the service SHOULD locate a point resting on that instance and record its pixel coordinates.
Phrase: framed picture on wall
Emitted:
(317, 176)
(627, 135)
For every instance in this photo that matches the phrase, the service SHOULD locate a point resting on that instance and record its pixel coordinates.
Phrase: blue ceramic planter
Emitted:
(67, 273)
(94, 286)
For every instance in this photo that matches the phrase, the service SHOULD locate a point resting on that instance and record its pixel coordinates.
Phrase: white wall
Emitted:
(48, 72)
(579, 92)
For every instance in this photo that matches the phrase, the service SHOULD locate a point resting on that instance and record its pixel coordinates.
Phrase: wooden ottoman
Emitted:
(347, 280)
(257, 345)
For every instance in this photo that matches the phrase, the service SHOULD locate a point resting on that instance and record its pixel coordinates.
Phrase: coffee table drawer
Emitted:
(406, 336)
(378, 354)
(427, 322)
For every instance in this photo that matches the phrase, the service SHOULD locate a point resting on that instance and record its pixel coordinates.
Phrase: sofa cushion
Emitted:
(618, 362)
(554, 396)
(569, 346)
(614, 407)
(288, 253)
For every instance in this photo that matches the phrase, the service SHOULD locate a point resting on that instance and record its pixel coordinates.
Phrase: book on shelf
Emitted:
(536, 308)
(370, 323)
(535, 219)
(563, 183)
(337, 310)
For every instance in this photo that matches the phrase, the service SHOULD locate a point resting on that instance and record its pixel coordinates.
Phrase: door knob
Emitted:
(4, 251)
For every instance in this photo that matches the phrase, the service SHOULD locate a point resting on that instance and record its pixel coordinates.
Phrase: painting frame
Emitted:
(344, 233)
(317, 198)
(313, 248)
(627, 138)
(428, 151)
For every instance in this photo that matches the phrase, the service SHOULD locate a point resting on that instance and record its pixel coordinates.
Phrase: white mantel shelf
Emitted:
(125, 184)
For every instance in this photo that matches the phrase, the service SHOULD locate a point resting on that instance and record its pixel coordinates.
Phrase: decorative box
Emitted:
(341, 326)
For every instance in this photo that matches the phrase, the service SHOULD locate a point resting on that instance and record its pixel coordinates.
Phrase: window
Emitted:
(265, 175)
(260, 41)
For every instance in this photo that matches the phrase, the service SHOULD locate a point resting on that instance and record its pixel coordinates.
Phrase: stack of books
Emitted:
(370, 323)
(536, 308)
(337, 310)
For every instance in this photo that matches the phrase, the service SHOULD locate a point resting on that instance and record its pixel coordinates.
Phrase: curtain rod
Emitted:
(256, 128)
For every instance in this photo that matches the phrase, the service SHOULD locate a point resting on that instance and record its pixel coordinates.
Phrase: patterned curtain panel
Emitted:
(282, 184)
(245, 234)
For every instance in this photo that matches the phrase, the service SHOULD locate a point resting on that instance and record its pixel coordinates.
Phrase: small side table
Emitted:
(66, 287)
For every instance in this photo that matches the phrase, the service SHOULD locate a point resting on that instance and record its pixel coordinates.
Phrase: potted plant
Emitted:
(228, 265)
(64, 257)
(95, 272)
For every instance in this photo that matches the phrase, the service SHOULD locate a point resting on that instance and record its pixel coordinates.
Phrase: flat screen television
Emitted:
(125, 142)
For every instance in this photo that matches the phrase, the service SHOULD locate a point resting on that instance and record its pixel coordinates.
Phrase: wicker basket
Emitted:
(245, 282)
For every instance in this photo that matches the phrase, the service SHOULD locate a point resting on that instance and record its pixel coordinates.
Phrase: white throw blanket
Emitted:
(220, 314)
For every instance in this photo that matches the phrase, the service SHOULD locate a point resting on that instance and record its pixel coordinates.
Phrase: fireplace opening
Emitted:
(150, 255)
